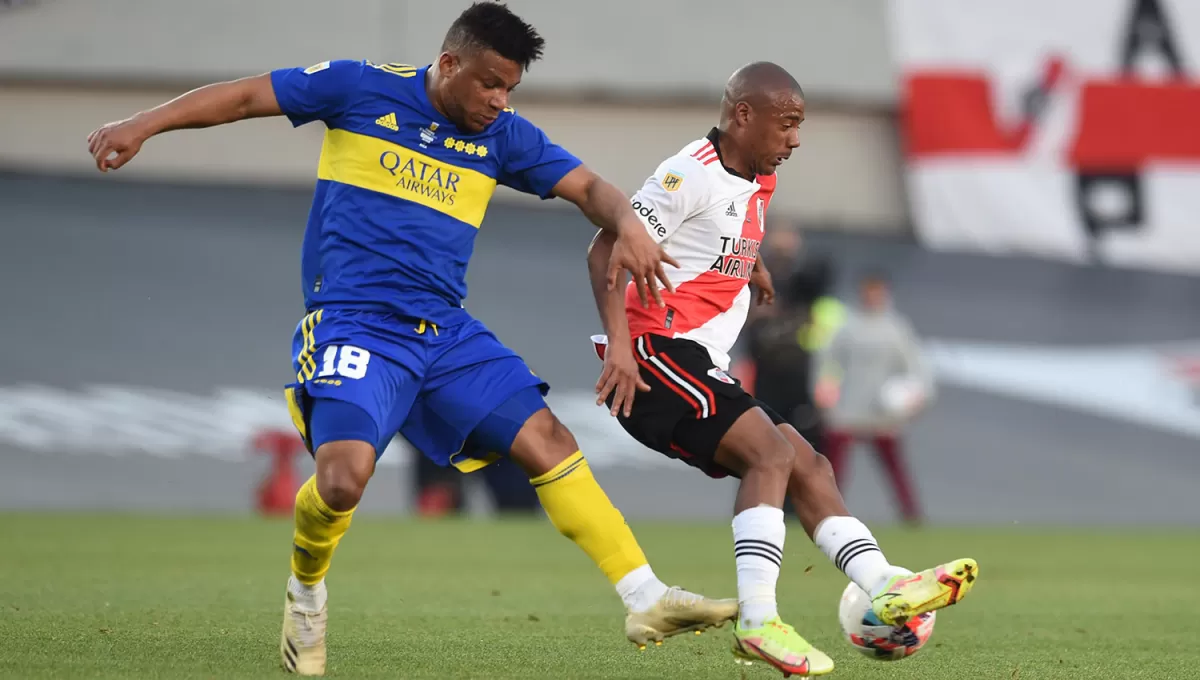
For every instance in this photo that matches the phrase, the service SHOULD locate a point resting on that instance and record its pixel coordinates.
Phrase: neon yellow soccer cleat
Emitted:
(678, 612)
(780, 646)
(911, 595)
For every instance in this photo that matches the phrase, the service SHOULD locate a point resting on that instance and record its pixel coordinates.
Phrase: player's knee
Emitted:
(542, 443)
(823, 467)
(545, 430)
(809, 467)
(558, 437)
(776, 455)
(343, 470)
(343, 434)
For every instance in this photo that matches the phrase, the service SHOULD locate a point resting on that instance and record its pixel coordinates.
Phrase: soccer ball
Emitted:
(872, 637)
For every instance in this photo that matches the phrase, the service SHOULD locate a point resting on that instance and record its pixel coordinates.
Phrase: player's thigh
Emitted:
(733, 431)
(535, 439)
(690, 406)
(345, 392)
(739, 437)
(656, 414)
(344, 436)
(477, 397)
(808, 459)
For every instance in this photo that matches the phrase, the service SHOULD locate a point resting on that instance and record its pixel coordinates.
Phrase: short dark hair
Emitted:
(493, 26)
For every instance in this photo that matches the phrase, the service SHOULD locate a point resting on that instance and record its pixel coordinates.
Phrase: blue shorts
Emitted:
(456, 394)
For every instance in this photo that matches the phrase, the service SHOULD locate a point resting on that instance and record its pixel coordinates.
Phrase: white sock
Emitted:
(848, 543)
(758, 535)
(640, 589)
(308, 598)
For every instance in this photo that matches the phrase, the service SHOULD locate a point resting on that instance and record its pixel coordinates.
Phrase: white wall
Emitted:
(838, 49)
(67, 66)
(846, 172)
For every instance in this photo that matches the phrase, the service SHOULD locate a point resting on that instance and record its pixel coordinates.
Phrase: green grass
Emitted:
(120, 596)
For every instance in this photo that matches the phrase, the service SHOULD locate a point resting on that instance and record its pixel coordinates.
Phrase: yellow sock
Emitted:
(581, 511)
(318, 530)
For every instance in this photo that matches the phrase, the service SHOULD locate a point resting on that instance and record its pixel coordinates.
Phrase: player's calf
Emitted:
(345, 461)
(582, 512)
(897, 594)
(756, 451)
(576, 505)
(811, 484)
(846, 541)
(324, 507)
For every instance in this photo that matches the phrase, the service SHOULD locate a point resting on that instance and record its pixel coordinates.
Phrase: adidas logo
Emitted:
(732, 211)
(388, 121)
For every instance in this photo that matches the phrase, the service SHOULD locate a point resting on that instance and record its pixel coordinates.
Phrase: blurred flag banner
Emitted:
(1060, 128)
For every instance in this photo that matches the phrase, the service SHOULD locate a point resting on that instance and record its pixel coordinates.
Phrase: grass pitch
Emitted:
(122, 596)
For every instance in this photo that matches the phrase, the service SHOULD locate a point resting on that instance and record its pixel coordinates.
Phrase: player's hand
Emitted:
(620, 378)
(116, 144)
(636, 252)
(761, 278)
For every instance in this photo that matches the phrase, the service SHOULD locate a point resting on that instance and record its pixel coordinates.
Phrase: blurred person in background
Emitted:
(781, 339)
(781, 249)
(872, 382)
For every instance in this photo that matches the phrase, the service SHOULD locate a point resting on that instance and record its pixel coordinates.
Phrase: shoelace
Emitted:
(787, 629)
(307, 633)
(678, 597)
(779, 625)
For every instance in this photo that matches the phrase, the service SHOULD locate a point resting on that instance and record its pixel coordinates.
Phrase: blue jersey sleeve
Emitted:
(532, 163)
(319, 92)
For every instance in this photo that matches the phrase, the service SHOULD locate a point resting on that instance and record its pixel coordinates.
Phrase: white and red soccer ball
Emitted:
(875, 639)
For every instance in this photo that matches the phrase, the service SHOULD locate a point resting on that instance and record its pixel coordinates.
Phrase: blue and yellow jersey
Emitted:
(401, 192)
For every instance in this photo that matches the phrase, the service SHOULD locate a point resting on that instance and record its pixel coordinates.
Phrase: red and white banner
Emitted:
(1060, 128)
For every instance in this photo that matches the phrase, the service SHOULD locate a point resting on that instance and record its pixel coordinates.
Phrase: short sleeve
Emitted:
(676, 191)
(532, 163)
(319, 92)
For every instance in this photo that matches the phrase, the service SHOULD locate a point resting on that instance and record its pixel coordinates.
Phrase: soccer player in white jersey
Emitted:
(706, 205)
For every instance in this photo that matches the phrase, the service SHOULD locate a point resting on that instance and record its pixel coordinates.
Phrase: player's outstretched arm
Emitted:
(114, 144)
(632, 249)
(620, 375)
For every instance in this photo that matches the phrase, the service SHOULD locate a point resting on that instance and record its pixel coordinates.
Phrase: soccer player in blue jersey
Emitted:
(410, 160)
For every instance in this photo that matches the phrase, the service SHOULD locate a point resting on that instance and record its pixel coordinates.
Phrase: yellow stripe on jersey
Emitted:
(379, 165)
(308, 365)
(402, 70)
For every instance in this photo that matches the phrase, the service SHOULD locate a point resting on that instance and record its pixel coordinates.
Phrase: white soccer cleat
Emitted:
(302, 644)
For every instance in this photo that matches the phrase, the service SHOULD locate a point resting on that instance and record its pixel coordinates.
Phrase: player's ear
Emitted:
(448, 64)
(743, 113)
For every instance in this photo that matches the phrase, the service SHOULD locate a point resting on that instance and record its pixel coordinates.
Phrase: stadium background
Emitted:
(1046, 249)
(148, 313)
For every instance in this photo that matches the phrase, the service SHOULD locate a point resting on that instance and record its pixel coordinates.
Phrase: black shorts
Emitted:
(691, 403)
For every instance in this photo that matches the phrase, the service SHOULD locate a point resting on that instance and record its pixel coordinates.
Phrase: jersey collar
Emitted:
(714, 136)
